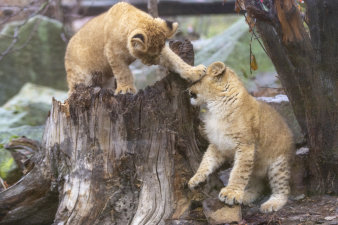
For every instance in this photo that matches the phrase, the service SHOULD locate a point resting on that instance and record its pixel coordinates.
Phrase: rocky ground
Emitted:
(303, 210)
(321, 209)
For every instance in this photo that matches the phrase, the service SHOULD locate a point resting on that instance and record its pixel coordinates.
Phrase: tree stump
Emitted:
(109, 159)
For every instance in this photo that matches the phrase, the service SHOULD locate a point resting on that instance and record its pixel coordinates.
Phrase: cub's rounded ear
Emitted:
(216, 69)
(169, 27)
(138, 40)
(172, 28)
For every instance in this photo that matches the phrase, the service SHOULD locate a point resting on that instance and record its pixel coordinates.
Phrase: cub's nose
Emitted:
(192, 94)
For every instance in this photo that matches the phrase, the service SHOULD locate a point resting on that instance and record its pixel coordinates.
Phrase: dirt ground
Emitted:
(307, 211)
(322, 209)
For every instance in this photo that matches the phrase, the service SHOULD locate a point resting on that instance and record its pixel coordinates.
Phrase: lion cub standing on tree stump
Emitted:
(254, 134)
(108, 43)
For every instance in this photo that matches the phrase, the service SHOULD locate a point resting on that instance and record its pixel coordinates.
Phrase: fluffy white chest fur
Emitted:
(216, 131)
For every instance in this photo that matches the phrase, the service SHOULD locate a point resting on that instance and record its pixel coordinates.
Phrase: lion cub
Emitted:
(249, 131)
(108, 43)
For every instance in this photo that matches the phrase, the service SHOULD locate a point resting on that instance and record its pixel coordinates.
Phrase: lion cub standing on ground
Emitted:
(240, 127)
(108, 43)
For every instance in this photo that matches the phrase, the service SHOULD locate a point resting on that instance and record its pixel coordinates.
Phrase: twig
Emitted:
(2, 183)
(251, 53)
(30, 36)
(11, 48)
(15, 36)
(260, 43)
(256, 36)
(15, 14)
(15, 39)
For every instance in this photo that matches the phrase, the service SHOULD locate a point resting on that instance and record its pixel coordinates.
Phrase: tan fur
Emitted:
(108, 43)
(249, 131)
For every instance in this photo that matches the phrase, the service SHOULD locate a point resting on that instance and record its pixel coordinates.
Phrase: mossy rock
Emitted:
(29, 107)
(39, 58)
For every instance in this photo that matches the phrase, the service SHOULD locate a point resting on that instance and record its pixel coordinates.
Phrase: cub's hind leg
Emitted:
(279, 175)
(253, 190)
(212, 160)
(77, 77)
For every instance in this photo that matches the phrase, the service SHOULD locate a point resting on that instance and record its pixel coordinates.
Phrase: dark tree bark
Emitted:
(306, 63)
(109, 159)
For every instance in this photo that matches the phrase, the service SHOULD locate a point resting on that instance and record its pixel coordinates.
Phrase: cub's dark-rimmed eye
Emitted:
(192, 94)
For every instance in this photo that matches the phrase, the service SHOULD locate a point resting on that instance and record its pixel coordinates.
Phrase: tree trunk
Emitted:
(307, 67)
(152, 8)
(109, 159)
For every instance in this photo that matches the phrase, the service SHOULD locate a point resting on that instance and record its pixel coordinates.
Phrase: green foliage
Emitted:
(7, 163)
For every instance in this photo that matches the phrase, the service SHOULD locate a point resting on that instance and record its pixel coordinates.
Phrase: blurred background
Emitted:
(34, 36)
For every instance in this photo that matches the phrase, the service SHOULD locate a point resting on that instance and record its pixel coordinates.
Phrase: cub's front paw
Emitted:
(195, 73)
(231, 196)
(196, 180)
(125, 89)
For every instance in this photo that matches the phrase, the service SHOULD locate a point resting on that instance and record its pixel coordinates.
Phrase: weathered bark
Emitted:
(33, 199)
(307, 67)
(109, 159)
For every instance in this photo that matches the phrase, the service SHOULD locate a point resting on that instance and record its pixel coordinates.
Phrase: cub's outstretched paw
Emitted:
(200, 71)
(275, 203)
(195, 73)
(196, 180)
(125, 89)
(231, 196)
